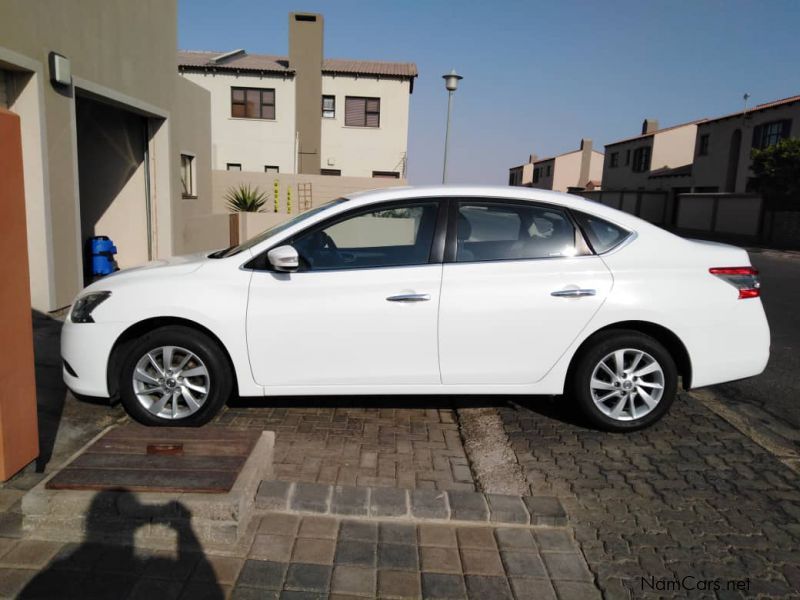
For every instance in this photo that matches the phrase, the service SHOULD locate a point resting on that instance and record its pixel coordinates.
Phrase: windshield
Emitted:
(275, 230)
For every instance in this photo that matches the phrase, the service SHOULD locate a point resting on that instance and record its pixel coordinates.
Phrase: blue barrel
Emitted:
(102, 251)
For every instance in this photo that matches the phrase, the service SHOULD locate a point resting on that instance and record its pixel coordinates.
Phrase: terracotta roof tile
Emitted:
(758, 107)
(280, 64)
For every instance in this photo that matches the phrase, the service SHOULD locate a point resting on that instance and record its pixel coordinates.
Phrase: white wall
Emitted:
(253, 143)
(358, 151)
(673, 148)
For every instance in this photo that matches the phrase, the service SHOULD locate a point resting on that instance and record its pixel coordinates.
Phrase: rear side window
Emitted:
(500, 231)
(602, 235)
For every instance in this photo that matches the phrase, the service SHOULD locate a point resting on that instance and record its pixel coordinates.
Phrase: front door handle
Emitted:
(573, 293)
(409, 298)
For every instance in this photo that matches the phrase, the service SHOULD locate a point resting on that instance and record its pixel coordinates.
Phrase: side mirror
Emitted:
(284, 259)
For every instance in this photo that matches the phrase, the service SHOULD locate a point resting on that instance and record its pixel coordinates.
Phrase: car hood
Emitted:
(167, 267)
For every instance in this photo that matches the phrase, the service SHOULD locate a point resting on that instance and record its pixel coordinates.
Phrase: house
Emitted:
(723, 145)
(304, 113)
(570, 171)
(114, 141)
(649, 160)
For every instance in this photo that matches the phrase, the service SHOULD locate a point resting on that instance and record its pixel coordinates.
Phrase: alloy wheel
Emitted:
(627, 384)
(171, 382)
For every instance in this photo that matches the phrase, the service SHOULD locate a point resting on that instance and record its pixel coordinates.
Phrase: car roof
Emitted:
(510, 192)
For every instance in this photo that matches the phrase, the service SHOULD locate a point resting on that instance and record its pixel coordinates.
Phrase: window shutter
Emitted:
(757, 136)
(355, 111)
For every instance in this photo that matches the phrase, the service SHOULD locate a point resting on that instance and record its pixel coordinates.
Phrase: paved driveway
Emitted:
(690, 497)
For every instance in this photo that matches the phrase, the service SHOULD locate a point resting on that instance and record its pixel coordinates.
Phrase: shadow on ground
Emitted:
(50, 389)
(97, 568)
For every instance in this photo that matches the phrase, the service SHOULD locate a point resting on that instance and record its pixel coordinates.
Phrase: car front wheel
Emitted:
(625, 381)
(174, 376)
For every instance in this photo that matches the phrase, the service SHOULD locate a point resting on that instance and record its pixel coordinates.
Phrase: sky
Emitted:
(538, 76)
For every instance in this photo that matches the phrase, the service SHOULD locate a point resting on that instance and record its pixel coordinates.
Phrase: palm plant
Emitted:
(245, 198)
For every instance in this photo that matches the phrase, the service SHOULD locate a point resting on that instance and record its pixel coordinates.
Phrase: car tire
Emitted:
(630, 397)
(189, 393)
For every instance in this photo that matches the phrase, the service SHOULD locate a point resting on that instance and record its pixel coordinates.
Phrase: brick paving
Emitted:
(690, 497)
(370, 443)
(293, 556)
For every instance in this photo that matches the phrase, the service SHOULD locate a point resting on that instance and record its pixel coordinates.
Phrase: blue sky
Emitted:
(538, 76)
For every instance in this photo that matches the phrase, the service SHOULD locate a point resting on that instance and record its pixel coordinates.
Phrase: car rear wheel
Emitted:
(174, 376)
(625, 381)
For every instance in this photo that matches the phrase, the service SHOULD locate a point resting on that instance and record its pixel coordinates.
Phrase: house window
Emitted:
(187, 176)
(614, 160)
(271, 169)
(253, 103)
(770, 134)
(233, 166)
(703, 149)
(362, 112)
(627, 157)
(548, 170)
(329, 107)
(386, 174)
(536, 175)
(335, 172)
(641, 159)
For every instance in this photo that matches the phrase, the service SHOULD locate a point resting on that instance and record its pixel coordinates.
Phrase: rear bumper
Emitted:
(86, 347)
(731, 348)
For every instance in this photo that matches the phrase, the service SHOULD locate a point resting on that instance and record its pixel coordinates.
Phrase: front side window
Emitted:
(253, 103)
(627, 158)
(362, 112)
(536, 173)
(329, 107)
(399, 235)
(641, 159)
(602, 235)
(272, 169)
(499, 231)
(187, 176)
(233, 166)
(549, 170)
(614, 159)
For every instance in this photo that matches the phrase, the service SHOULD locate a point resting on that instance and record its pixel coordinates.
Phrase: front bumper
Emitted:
(87, 348)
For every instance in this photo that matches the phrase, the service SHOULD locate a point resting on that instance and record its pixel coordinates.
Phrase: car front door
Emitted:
(518, 286)
(361, 310)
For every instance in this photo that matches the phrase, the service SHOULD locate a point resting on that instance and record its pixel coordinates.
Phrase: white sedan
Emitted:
(439, 290)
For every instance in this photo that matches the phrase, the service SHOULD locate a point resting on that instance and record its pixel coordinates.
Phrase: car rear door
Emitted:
(518, 286)
(363, 308)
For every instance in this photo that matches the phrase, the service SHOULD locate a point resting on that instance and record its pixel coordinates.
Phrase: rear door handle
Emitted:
(409, 298)
(573, 293)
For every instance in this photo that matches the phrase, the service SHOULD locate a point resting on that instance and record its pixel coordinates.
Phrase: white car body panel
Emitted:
(354, 335)
(499, 323)
(369, 346)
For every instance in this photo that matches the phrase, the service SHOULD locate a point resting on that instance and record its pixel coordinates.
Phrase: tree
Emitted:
(776, 170)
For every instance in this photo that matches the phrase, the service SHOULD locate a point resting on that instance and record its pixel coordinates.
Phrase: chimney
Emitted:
(586, 162)
(532, 158)
(649, 126)
(305, 59)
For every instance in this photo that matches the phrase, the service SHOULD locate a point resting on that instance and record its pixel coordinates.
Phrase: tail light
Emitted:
(744, 279)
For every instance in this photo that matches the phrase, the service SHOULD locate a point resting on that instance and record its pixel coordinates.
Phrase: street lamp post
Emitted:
(451, 83)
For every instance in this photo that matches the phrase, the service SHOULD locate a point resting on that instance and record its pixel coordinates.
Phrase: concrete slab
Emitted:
(149, 519)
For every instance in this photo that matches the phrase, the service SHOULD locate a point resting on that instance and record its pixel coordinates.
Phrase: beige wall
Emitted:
(544, 182)
(672, 148)
(120, 52)
(358, 151)
(711, 170)
(324, 187)
(567, 171)
(253, 143)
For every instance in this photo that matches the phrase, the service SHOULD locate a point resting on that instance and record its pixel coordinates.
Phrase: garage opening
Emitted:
(113, 180)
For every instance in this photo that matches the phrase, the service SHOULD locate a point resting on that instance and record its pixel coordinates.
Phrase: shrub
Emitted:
(245, 198)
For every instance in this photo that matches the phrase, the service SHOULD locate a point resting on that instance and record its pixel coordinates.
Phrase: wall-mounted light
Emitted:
(60, 71)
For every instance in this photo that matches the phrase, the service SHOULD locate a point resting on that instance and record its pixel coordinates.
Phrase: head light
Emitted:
(83, 307)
